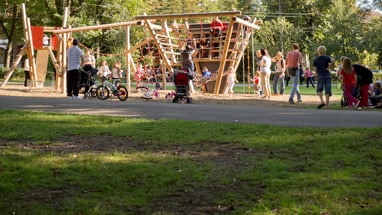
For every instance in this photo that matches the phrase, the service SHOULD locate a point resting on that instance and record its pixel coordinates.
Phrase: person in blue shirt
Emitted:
(321, 66)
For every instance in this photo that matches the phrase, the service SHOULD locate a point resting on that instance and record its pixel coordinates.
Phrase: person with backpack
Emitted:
(279, 74)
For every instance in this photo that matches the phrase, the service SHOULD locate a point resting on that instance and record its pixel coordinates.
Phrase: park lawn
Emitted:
(72, 164)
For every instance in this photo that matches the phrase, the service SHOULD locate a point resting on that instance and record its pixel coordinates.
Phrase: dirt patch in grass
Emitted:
(191, 198)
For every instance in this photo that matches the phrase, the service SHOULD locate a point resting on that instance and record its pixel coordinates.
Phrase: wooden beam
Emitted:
(189, 15)
(157, 43)
(96, 27)
(138, 45)
(19, 56)
(223, 57)
(246, 23)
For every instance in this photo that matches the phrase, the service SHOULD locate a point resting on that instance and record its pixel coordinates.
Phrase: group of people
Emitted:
(352, 75)
(76, 60)
(357, 82)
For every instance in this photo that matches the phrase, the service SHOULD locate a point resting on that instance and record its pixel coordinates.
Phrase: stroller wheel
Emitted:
(344, 102)
(175, 100)
(189, 100)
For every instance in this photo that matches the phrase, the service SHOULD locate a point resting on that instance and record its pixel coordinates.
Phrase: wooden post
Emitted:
(62, 76)
(128, 70)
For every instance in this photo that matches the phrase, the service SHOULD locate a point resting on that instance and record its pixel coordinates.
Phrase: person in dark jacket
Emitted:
(365, 78)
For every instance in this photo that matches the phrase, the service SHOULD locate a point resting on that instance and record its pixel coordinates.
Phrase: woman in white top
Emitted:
(89, 62)
(279, 74)
(265, 73)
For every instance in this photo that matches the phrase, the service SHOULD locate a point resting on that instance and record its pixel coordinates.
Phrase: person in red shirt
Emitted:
(348, 79)
(216, 27)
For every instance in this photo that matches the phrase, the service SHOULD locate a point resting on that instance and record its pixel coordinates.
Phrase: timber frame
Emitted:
(168, 39)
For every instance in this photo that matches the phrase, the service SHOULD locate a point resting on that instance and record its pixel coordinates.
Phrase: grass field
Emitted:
(71, 164)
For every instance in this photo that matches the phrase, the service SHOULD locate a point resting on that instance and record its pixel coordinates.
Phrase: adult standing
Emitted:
(348, 78)
(75, 56)
(279, 74)
(256, 78)
(265, 73)
(27, 72)
(321, 66)
(293, 61)
(188, 64)
(364, 79)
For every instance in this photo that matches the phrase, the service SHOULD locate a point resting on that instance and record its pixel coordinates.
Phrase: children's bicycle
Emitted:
(148, 93)
(107, 89)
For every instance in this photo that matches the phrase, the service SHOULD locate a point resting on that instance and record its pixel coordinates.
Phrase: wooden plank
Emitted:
(19, 56)
(138, 45)
(224, 56)
(96, 27)
(42, 58)
(188, 15)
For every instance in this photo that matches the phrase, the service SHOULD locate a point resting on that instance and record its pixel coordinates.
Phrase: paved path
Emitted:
(291, 117)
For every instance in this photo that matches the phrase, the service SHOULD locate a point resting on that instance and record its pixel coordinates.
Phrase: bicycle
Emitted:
(148, 93)
(92, 91)
(106, 89)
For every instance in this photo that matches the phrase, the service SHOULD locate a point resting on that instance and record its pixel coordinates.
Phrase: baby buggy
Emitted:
(88, 83)
(344, 101)
(181, 80)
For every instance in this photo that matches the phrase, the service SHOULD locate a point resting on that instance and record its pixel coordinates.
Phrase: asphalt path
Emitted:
(291, 117)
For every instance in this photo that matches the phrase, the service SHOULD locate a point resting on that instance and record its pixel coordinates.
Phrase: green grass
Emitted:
(336, 91)
(72, 164)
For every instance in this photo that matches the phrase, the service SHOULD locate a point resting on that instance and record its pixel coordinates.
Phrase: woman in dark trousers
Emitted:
(365, 78)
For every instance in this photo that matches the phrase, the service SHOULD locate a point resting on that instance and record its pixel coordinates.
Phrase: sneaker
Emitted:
(299, 101)
(291, 102)
(321, 105)
(70, 97)
(77, 97)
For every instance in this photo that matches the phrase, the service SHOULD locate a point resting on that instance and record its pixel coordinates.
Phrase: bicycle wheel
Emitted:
(122, 93)
(102, 92)
(142, 89)
(92, 92)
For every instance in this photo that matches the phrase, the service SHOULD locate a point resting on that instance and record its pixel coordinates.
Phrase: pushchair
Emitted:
(356, 93)
(88, 81)
(181, 80)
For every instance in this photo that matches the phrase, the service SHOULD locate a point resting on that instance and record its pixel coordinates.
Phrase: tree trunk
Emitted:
(9, 51)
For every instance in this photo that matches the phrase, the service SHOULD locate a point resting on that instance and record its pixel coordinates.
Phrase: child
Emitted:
(309, 77)
(104, 71)
(257, 85)
(321, 66)
(116, 73)
(348, 79)
(138, 75)
(377, 89)
(231, 80)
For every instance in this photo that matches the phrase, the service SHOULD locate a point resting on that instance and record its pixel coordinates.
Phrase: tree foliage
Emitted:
(341, 25)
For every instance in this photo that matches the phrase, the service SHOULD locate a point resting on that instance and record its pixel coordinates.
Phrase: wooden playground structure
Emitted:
(169, 40)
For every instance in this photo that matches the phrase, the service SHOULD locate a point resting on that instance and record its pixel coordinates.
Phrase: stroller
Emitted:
(181, 80)
(87, 83)
(356, 93)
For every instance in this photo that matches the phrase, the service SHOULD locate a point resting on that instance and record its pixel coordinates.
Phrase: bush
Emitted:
(18, 74)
